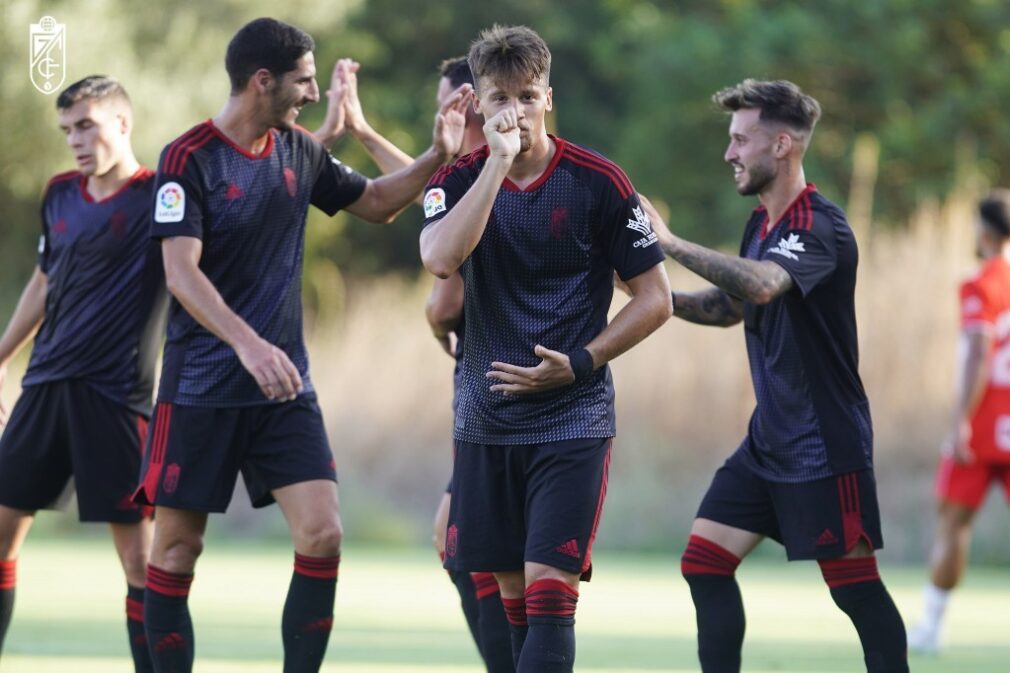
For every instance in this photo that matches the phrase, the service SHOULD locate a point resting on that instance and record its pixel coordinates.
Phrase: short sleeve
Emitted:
(976, 310)
(626, 232)
(808, 253)
(178, 201)
(336, 185)
(446, 187)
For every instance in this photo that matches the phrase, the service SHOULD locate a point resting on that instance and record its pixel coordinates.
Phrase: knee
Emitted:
(704, 557)
(134, 562)
(319, 539)
(511, 584)
(177, 554)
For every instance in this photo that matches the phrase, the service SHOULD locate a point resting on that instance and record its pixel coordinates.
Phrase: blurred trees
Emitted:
(926, 79)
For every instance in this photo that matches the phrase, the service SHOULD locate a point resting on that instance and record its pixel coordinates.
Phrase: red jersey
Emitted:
(985, 304)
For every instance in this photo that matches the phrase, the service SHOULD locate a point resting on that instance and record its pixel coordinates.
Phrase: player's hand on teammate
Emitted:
(956, 444)
(553, 371)
(502, 133)
(450, 122)
(273, 370)
(667, 241)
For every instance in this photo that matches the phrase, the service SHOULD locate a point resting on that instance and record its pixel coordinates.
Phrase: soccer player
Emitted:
(536, 225)
(976, 453)
(97, 300)
(804, 474)
(479, 595)
(235, 393)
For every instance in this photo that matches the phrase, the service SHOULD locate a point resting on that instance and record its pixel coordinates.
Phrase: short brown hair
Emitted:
(509, 53)
(779, 101)
(457, 71)
(994, 210)
(93, 87)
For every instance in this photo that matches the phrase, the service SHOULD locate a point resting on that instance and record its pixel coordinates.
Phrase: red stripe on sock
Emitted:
(134, 610)
(321, 568)
(515, 611)
(484, 585)
(8, 574)
(842, 571)
(551, 597)
(704, 557)
(166, 583)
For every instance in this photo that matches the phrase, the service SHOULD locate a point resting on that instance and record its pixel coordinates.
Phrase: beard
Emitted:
(280, 110)
(758, 177)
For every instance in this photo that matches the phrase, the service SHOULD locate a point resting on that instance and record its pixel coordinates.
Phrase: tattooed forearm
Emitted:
(746, 279)
(708, 307)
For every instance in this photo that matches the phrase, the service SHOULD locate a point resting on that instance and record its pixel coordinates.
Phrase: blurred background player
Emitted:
(235, 393)
(804, 474)
(479, 595)
(976, 453)
(98, 300)
(536, 226)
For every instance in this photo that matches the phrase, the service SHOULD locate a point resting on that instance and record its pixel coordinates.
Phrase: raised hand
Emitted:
(273, 370)
(450, 122)
(553, 371)
(334, 124)
(663, 233)
(354, 115)
(502, 133)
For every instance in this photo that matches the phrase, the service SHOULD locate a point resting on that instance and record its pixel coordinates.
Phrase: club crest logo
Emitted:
(451, 540)
(171, 478)
(559, 223)
(291, 181)
(170, 204)
(434, 202)
(47, 42)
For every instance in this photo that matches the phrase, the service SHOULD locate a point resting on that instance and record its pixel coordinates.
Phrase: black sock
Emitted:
(135, 630)
(550, 643)
(515, 614)
(856, 589)
(8, 581)
(495, 635)
(308, 612)
(708, 569)
(167, 624)
(468, 601)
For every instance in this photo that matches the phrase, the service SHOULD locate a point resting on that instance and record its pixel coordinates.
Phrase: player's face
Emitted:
(97, 133)
(293, 91)
(532, 100)
(751, 152)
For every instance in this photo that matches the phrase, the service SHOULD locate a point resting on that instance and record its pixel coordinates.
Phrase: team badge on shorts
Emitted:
(171, 478)
(451, 538)
(434, 202)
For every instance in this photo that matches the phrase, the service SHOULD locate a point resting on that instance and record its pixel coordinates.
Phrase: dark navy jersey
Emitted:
(457, 371)
(543, 274)
(249, 211)
(105, 293)
(812, 418)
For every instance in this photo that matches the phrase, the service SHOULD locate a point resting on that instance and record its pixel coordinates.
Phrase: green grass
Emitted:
(397, 613)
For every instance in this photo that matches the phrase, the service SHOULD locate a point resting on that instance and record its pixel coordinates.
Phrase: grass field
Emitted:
(397, 614)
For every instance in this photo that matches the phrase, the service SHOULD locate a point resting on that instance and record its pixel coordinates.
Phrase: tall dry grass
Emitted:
(683, 395)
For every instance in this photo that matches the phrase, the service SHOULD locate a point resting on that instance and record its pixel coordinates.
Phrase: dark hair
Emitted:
(779, 101)
(457, 71)
(509, 53)
(264, 43)
(92, 87)
(994, 210)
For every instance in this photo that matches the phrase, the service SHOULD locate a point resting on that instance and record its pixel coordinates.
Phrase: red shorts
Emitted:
(968, 484)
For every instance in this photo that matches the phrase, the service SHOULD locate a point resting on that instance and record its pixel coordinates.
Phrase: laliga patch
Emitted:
(434, 202)
(42, 244)
(170, 204)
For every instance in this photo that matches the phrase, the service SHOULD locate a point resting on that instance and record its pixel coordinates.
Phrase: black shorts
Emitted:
(194, 454)
(540, 503)
(66, 428)
(820, 519)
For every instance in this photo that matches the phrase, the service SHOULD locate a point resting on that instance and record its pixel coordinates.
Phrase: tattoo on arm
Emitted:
(708, 307)
(745, 279)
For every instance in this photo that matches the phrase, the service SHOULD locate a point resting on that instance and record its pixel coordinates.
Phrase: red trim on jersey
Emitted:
(267, 149)
(180, 149)
(140, 174)
(802, 218)
(587, 562)
(465, 161)
(582, 157)
(559, 151)
(61, 177)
